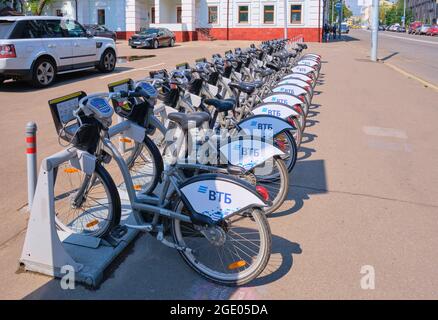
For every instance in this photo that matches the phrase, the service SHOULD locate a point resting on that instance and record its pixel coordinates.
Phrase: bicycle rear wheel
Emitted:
(238, 254)
(85, 204)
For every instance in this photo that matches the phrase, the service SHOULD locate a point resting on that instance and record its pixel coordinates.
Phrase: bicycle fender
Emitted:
(285, 98)
(214, 197)
(308, 62)
(295, 81)
(248, 153)
(290, 88)
(264, 124)
(301, 76)
(303, 69)
(275, 109)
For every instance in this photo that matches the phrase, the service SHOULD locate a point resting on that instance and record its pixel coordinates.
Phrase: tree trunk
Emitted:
(40, 8)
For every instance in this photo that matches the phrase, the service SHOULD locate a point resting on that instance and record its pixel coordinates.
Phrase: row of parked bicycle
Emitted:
(243, 113)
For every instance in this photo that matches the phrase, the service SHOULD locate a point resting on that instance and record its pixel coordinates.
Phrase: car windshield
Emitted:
(5, 27)
(149, 31)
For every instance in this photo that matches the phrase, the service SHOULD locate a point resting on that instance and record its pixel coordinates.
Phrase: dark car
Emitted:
(100, 31)
(152, 38)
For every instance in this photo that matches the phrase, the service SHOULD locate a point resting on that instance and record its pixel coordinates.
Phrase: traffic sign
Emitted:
(338, 5)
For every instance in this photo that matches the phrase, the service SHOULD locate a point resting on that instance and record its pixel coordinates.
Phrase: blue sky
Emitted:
(352, 4)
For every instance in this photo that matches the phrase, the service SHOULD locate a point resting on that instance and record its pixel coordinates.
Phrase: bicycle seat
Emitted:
(221, 105)
(243, 86)
(264, 72)
(184, 119)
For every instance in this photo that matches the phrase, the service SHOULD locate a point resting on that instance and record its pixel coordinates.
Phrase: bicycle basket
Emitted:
(62, 113)
(87, 136)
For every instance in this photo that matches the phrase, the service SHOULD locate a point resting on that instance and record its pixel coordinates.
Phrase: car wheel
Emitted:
(107, 61)
(133, 47)
(43, 73)
(172, 43)
(2, 79)
(156, 44)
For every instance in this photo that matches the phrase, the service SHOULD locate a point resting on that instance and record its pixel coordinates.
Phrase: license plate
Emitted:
(136, 42)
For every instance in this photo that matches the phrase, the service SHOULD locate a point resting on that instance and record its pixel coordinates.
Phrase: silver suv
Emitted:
(37, 48)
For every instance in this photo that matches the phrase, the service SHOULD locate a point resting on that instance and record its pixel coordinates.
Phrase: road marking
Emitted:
(385, 132)
(410, 75)
(405, 38)
(390, 146)
(133, 70)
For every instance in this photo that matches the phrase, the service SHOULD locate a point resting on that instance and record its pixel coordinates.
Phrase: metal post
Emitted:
(31, 150)
(285, 19)
(333, 10)
(374, 29)
(404, 13)
(341, 12)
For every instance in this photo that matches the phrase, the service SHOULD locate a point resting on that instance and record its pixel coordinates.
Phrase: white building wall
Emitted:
(310, 13)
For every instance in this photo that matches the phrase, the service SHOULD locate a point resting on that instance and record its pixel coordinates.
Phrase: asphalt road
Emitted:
(412, 53)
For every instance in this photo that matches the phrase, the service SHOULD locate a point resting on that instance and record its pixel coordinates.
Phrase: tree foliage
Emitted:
(37, 6)
(394, 14)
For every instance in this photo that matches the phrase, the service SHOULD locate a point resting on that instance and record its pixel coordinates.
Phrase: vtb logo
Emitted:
(216, 196)
(262, 126)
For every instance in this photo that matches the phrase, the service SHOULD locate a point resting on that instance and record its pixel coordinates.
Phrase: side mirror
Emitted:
(88, 34)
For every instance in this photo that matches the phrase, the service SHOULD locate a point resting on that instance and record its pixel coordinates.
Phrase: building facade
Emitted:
(424, 10)
(200, 19)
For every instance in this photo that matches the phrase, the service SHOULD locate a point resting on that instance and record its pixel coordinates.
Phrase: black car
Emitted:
(152, 38)
(100, 31)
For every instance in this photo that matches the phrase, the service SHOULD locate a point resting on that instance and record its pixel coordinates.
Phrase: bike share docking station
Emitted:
(47, 248)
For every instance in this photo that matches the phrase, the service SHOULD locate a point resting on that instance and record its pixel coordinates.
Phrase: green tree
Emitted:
(395, 14)
(346, 12)
(37, 6)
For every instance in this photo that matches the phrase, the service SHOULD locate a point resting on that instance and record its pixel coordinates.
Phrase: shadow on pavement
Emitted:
(152, 271)
(389, 56)
(344, 37)
(308, 178)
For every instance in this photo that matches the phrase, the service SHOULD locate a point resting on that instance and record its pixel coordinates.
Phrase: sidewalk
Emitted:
(363, 193)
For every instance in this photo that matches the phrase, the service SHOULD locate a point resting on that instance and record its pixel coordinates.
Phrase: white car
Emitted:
(38, 48)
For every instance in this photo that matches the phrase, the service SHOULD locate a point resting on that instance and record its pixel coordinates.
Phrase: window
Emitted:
(243, 14)
(268, 14)
(51, 29)
(74, 29)
(26, 30)
(5, 28)
(59, 13)
(101, 16)
(153, 15)
(178, 14)
(296, 13)
(212, 14)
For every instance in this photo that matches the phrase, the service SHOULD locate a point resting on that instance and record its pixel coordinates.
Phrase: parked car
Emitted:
(345, 28)
(413, 26)
(382, 27)
(417, 30)
(394, 27)
(433, 30)
(424, 28)
(401, 29)
(100, 31)
(38, 48)
(152, 38)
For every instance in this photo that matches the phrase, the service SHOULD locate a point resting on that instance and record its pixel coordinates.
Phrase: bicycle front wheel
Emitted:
(85, 204)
